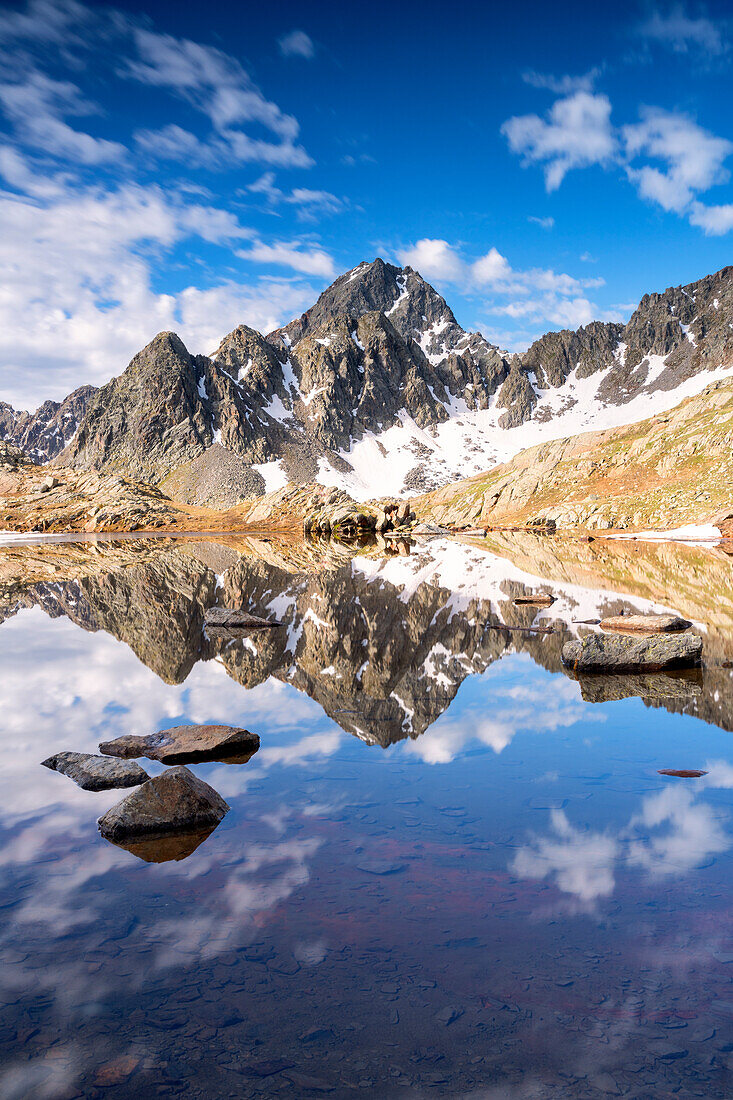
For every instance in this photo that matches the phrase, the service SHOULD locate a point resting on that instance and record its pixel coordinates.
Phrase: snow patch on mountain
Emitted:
(471, 441)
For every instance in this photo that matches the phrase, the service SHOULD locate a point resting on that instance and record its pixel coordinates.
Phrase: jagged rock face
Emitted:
(381, 352)
(44, 433)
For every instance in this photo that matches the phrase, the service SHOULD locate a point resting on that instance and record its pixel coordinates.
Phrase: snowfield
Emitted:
(471, 442)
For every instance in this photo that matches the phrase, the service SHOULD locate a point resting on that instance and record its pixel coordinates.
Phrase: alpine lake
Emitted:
(451, 870)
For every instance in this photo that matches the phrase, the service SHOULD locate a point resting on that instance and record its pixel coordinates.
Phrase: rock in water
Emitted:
(685, 773)
(187, 744)
(232, 617)
(622, 653)
(174, 802)
(96, 773)
(646, 624)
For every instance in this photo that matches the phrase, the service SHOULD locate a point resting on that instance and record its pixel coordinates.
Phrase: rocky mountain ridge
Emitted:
(377, 389)
(43, 434)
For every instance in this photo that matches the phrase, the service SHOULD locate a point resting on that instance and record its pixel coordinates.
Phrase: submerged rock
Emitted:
(174, 802)
(646, 624)
(234, 618)
(96, 773)
(187, 744)
(622, 653)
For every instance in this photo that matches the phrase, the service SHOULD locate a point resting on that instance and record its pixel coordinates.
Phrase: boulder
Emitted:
(624, 653)
(539, 599)
(403, 512)
(187, 745)
(645, 624)
(96, 773)
(382, 523)
(175, 802)
(234, 618)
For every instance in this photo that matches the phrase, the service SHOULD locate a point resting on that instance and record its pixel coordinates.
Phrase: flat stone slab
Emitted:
(539, 600)
(646, 624)
(96, 773)
(625, 653)
(187, 745)
(175, 802)
(233, 619)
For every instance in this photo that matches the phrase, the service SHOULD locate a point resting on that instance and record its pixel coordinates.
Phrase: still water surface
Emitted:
(450, 870)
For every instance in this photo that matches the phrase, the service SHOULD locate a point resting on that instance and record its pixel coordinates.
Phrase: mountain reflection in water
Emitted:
(508, 901)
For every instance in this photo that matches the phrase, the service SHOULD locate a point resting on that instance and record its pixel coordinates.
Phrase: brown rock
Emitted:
(187, 744)
(645, 624)
(540, 599)
(176, 801)
(235, 618)
(692, 773)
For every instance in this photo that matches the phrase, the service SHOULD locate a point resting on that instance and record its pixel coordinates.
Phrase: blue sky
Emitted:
(194, 166)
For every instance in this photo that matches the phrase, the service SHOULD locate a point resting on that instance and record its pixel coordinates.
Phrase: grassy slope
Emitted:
(672, 469)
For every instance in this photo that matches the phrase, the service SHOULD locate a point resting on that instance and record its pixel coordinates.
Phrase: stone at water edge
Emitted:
(625, 653)
(175, 802)
(186, 744)
(646, 624)
(96, 773)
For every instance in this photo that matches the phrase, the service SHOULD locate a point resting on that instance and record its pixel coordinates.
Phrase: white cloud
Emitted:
(76, 286)
(296, 44)
(309, 261)
(36, 105)
(537, 294)
(308, 200)
(714, 220)
(679, 32)
(434, 259)
(562, 85)
(667, 155)
(694, 158)
(577, 133)
(216, 85)
(544, 223)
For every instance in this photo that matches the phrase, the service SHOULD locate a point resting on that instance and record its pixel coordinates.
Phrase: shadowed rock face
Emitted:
(383, 643)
